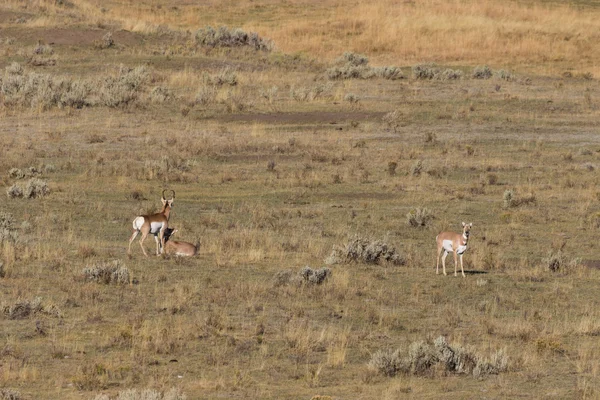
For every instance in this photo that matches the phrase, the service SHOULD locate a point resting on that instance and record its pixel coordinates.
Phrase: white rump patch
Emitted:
(137, 223)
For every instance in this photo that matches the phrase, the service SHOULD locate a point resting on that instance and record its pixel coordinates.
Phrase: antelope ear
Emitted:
(464, 224)
(471, 225)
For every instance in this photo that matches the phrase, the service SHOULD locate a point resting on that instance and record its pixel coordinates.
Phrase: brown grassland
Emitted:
(280, 153)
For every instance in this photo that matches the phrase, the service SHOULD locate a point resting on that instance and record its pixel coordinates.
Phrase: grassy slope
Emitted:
(207, 313)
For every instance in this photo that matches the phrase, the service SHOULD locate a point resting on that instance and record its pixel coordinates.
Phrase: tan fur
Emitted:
(162, 217)
(176, 247)
(458, 240)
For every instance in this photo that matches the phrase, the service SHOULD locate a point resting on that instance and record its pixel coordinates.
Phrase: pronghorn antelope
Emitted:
(177, 247)
(155, 224)
(455, 243)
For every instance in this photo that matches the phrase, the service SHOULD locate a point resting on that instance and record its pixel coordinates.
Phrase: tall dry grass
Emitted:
(455, 31)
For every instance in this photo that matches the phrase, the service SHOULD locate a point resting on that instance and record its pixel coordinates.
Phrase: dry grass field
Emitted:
(315, 182)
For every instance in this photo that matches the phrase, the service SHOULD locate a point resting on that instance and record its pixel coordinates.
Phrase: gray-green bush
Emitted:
(226, 37)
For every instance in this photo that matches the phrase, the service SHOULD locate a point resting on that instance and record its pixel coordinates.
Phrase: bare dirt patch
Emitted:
(70, 36)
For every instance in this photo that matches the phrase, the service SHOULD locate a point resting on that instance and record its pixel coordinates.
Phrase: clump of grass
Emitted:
(558, 262)
(423, 356)
(226, 37)
(8, 231)
(417, 168)
(482, 72)
(393, 119)
(352, 98)
(144, 394)
(160, 94)
(107, 272)
(32, 189)
(311, 93)
(355, 66)
(14, 69)
(360, 249)
(206, 94)
(391, 168)
(419, 217)
(42, 49)
(225, 77)
(504, 75)
(24, 308)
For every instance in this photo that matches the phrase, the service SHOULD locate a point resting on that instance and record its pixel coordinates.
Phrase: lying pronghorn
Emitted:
(155, 224)
(177, 247)
(452, 242)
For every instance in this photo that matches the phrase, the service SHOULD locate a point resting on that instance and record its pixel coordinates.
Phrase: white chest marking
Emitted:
(447, 244)
(155, 227)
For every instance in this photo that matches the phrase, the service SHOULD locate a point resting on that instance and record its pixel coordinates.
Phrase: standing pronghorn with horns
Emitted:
(155, 224)
(455, 243)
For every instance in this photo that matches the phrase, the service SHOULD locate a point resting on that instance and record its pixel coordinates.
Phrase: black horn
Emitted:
(163, 194)
(173, 196)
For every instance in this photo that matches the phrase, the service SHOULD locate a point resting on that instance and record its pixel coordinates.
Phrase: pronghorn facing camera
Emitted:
(452, 242)
(177, 247)
(155, 224)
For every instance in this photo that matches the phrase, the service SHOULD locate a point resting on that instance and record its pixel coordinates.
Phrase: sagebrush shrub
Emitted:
(355, 66)
(482, 72)
(306, 275)
(360, 249)
(8, 232)
(419, 217)
(24, 308)
(225, 37)
(32, 189)
(423, 356)
(107, 272)
(10, 394)
(425, 71)
(387, 362)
